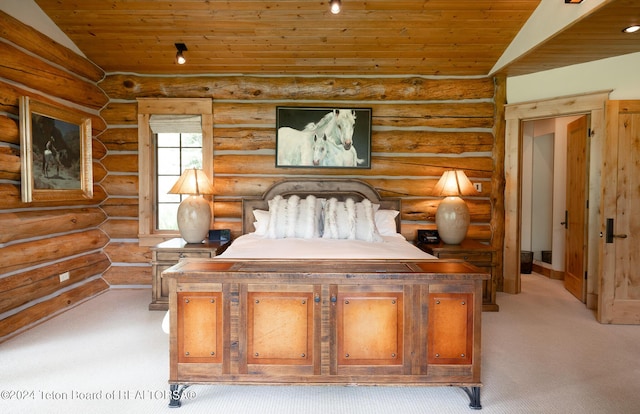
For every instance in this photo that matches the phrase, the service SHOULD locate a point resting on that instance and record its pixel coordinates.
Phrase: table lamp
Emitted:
(194, 212)
(452, 215)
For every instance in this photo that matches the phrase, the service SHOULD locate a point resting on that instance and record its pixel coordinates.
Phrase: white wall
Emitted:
(530, 131)
(618, 74)
(526, 185)
(542, 199)
(534, 197)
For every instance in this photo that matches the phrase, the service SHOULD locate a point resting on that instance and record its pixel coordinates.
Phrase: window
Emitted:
(173, 134)
(174, 153)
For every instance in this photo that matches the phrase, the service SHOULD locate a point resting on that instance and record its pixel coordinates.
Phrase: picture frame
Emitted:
(55, 152)
(323, 137)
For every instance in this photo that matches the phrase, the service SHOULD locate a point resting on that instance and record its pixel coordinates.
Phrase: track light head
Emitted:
(181, 47)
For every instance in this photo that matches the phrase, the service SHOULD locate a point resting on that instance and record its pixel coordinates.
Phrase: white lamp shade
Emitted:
(192, 181)
(454, 183)
(194, 219)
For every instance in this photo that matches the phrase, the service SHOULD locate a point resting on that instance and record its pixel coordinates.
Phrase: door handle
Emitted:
(609, 232)
(565, 223)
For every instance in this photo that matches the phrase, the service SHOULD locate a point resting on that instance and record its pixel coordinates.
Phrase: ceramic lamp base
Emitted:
(194, 219)
(452, 219)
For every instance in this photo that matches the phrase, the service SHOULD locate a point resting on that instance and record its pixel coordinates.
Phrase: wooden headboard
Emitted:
(321, 188)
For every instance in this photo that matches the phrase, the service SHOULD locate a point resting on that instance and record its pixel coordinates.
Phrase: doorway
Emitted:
(544, 185)
(516, 115)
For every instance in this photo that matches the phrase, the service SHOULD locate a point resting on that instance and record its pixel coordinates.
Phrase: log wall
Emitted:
(40, 241)
(421, 127)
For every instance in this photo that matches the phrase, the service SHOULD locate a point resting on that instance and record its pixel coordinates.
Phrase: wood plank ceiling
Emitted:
(301, 37)
(596, 36)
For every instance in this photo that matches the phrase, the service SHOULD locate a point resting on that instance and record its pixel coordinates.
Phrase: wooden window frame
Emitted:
(147, 234)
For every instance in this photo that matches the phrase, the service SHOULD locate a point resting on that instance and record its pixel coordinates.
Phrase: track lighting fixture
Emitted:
(181, 47)
(335, 6)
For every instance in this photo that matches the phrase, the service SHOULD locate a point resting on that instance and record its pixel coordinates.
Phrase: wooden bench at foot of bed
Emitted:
(367, 322)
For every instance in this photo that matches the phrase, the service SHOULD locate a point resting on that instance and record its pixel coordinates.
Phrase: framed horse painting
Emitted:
(323, 137)
(55, 152)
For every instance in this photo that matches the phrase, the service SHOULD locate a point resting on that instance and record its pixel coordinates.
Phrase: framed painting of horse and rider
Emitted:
(55, 152)
(323, 137)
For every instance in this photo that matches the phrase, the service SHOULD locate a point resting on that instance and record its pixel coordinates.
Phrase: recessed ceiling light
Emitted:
(631, 29)
(335, 6)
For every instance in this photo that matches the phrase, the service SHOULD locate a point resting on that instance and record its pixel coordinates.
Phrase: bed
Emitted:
(321, 288)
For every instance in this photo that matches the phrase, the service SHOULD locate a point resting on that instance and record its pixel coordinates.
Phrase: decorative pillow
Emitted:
(336, 219)
(302, 217)
(386, 222)
(310, 217)
(293, 217)
(262, 222)
(277, 218)
(350, 220)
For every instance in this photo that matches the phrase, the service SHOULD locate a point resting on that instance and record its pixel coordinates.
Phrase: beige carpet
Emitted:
(542, 353)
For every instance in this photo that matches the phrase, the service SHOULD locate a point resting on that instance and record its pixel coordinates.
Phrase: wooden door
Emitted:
(576, 218)
(619, 298)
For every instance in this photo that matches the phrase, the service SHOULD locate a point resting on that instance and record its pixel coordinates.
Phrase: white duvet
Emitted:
(250, 246)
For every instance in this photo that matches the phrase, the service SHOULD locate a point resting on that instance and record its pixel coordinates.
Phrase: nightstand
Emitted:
(168, 253)
(476, 253)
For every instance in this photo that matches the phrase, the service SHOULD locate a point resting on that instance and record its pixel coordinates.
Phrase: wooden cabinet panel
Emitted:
(370, 328)
(200, 327)
(450, 328)
(279, 328)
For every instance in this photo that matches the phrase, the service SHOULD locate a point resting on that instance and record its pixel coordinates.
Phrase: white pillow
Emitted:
(386, 222)
(365, 223)
(337, 223)
(293, 217)
(310, 218)
(262, 222)
(350, 220)
(277, 218)
(302, 217)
